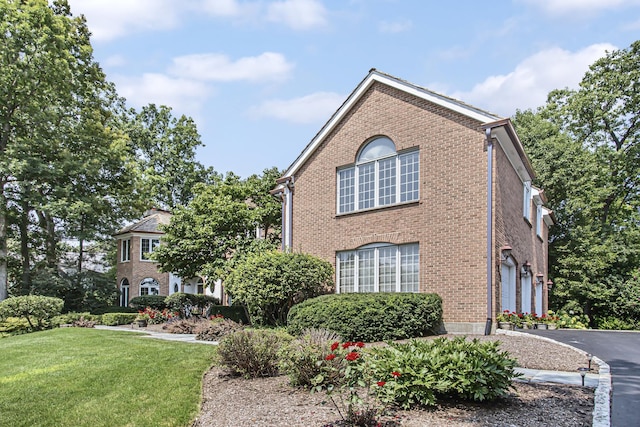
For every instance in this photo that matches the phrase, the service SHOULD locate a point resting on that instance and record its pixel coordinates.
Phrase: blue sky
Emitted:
(261, 77)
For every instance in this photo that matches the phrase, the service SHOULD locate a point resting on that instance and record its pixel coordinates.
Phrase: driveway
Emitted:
(621, 350)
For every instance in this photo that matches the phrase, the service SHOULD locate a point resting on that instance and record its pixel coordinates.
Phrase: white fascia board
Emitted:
(546, 216)
(375, 76)
(508, 147)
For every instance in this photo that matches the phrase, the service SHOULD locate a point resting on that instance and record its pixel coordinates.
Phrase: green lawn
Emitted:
(86, 377)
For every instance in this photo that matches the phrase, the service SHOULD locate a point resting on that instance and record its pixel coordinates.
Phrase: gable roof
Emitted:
(149, 224)
(402, 85)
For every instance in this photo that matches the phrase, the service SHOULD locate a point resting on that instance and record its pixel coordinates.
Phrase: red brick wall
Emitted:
(137, 270)
(448, 221)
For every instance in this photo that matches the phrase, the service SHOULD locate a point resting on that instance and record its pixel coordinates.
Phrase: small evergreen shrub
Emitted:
(369, 317)
(71, 317)
(237, 313)
(303, 358)
(216, 329)
(252, 353)
(114, 319)
(153, 301)
(37, 310)
(419, 373)
(186, 304)
(13, 326)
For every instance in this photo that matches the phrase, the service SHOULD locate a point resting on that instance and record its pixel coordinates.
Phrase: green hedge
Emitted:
(154, 301)
(237, 313)
(369, 317)
(114, 309)
(68, 318)
(113, 319)
(180, 301)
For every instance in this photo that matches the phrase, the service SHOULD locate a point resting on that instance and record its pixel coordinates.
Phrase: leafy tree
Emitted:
(219, 224)
(270, 283)
(584, 146)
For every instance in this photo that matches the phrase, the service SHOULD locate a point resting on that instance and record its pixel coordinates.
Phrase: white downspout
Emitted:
(487, 328)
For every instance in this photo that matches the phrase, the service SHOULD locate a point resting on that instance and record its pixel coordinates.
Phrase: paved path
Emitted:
(188, 338)
(621, 351)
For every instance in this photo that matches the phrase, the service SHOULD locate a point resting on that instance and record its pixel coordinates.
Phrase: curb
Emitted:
(602, 393)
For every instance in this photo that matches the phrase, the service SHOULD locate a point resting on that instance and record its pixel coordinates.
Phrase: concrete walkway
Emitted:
(601, 381)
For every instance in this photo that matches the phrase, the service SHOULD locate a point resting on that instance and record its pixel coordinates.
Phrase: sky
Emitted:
(261, 77)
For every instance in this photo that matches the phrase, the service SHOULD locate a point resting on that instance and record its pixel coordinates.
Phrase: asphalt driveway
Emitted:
(621, 350)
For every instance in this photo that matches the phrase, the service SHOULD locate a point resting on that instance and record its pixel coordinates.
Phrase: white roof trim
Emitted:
(376, 76)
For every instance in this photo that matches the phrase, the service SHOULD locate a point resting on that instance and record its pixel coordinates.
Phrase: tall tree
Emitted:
(165, 149)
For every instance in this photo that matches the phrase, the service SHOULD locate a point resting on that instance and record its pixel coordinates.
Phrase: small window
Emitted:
(149, 286)
(125, 250)
(147, 247)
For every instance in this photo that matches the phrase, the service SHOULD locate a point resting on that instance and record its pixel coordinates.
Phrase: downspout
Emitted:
(288, 231)
(487, 328)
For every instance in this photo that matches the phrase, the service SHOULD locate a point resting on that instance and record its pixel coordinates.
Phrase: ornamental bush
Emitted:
(153, 301)
(252, 353)
(237, 313)
(186, 304)
(270, 283)
(214, 330)
(114, 319)
(369, 317)
(420, 372)
(37, 310)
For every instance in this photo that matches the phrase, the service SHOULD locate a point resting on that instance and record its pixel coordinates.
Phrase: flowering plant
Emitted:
(154, 316)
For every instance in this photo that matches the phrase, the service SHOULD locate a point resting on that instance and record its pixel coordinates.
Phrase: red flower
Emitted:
(347, 344)
(334, 346)
(330, 356)
(359, 344)
(352, 356)
(381, 383)
(395, 374)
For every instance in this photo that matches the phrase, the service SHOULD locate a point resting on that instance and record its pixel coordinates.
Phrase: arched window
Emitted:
(149, 286)
(200, 286)
(124, 293)
(373, 181)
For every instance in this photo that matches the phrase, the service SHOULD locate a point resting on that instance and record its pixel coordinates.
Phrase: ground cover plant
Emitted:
(86, 377)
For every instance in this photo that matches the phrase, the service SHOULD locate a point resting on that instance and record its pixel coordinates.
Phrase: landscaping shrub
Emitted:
(270, 283)
(37, 310)
(69, 318)
(155, 317)
(84, 323)
(214, 330)
(186, 304)
(302, 358)
(154, 301)
(184, 326)
(13, 326)
(114, 309)
(114, 319)
(419, 373)
(252, 353)
(369, 317)
(237, 313)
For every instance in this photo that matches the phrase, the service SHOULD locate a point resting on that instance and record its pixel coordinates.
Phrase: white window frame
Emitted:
(151, 285)
(125, 250)
(354, 280)
(526, 201)
(153, 244)
(539, 220)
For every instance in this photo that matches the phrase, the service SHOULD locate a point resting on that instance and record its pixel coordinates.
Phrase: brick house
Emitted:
(137, 275)
(406, 190)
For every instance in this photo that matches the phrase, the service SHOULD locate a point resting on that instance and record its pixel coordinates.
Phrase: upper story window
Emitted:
(147, 246)
(526, 201)
(380, 177)
(539, 220)
(125, 250)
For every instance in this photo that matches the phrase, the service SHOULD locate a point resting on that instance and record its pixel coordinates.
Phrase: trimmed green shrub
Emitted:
(13, 326)
(71, 317)
(37, 310)
(270, 283)
(303, 358)
(114, 319)
(369, 317)
(252, 353)
(154, 301)
(419, 373)
(114, 309)
(237, 313)
(185, 303)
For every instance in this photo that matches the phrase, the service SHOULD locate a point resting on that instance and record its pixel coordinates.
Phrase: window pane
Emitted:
(409, 176)
(346, 270)
(377, 148)
(366, 270)
(387, 181)
(366, 186)
(346, 190)
(145, 248)
(154, 244)
(387, 268)
(409, 268)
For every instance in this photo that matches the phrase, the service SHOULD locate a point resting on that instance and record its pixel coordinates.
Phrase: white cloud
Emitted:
(317, 107)
(298, 14)
(395, 26)
(114, 61)
(565, 7)
(529, 84)
(269, 66)
(110, 19)
(183, 95)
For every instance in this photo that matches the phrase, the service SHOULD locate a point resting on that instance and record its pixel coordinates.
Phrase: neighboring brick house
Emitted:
(393, 191)
(137, 275)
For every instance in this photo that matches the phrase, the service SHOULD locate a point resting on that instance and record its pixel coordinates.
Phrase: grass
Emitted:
(86, 377)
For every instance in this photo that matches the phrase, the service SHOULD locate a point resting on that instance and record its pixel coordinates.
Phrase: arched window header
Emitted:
(377, 148)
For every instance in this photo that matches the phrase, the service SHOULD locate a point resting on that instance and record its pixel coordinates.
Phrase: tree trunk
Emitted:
(24, 247)
(3, 244)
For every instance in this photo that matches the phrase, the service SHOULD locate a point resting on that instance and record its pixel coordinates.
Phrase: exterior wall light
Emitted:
(526, 268)
(549, 284)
